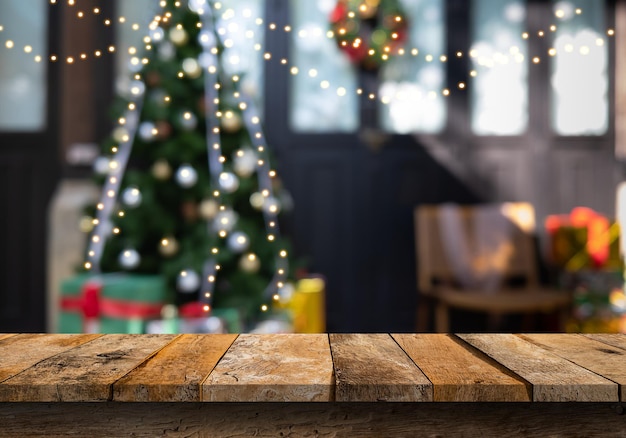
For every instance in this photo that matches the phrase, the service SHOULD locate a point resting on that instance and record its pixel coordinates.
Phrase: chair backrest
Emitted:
(433, 264)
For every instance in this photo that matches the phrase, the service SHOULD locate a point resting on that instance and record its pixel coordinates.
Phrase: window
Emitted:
(579, 69)
(499, 60)
(324, 83)
(23, 61)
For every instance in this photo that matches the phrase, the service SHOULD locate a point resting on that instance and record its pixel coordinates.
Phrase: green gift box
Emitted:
(110, 303)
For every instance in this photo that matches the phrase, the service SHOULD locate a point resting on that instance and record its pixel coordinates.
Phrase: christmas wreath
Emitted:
(369, 31)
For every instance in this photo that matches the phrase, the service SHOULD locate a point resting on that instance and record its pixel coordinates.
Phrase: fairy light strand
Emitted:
(111, 187)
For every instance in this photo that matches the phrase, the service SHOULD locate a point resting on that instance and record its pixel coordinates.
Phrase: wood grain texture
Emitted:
(20, 352)
(329, 420)
(374, 368)
(459, 373)
(554, 379)
(286, 367)
(84, 373)
(175, 373)
(602, 359)
(6, 335)
(616, 340)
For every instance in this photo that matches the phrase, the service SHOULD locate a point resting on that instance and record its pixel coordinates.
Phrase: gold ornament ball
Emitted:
(168, 246)
(161, 170)
(178, 36)
(249, 263)
(86, 224)
(257, 200)
(231, 122)
(209, 208)
(120, 134)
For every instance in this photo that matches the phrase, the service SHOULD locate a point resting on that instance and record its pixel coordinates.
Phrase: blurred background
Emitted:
(492, 101)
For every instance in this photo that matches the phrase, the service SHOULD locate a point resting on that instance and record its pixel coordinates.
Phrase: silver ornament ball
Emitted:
(129, 258)
(186, 176)
(147, 131)
(188, 281)
(238, 241)
(228, 182)
(131, 196)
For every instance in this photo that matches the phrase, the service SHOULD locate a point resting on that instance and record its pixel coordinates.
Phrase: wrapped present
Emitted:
(583, 239)
(308, 306)
(110, 303)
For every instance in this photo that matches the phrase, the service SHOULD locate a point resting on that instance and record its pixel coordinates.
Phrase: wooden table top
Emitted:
(313, 367)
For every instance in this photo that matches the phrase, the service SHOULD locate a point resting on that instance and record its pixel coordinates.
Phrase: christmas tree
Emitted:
(188, 191)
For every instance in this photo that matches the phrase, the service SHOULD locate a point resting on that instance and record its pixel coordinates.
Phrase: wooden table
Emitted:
(312, 385)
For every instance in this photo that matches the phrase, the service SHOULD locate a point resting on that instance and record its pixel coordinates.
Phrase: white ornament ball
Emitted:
(147, 131)
(178, 36)
(225, 220)
(161, 170)
(228, 182)
(129, 258)
(198, 6)
(188, 120)
(188, 281)
(157, 34)
(186, 176)
(131, 196)
(245, 162)
(209, 208)
(137, 88)
(249, 263)
(238, 241)
(101, 165)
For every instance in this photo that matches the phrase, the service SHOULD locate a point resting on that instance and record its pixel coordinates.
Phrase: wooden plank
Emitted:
(593, 355)
(484, 420)
(459, 373)
(374, 368)
(6, 335)
(554, 379)
(85, 373)
(616, 340)
(20, 352)
(175, 373)
(286, 367)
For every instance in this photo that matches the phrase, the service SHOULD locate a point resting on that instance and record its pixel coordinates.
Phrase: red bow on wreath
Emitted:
(369, 31)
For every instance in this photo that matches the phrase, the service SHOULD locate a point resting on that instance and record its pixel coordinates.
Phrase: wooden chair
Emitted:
(519, 291)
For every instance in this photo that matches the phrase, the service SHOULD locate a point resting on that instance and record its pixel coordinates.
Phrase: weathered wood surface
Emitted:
(19, 352)
(316, 367)
(374, 368)
(615, 340)
(6, 335)
(260, 368)
(602, 359)
(553, 378)
(84, 373)
(460, 374)
(176, 372)
(471, 420)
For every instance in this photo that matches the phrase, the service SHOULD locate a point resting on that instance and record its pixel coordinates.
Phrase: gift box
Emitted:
(584, 239)
(110, 303)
